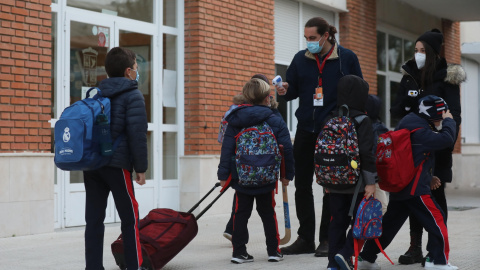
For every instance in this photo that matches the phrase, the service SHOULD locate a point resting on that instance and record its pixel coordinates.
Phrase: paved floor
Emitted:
(64, 249)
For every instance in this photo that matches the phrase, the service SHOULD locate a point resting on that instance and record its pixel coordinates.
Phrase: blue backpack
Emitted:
(257, 156)
(368, 225)
(82, 135)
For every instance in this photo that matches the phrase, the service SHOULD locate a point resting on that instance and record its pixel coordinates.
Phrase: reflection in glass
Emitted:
(170, 13)
(169, 87)
(76, 177)
(394, 86)
(381, 93)
(141, 10)
(88, 47)
(381, 51)
(394, 53)
(409, 49)
(142, 46)
(169, 155)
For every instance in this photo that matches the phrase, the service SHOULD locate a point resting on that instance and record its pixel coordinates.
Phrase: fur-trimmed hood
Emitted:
(455, 74)
(451, 73)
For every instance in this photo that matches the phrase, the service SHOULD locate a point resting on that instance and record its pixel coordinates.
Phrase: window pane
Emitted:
(88, 47)
(142, 46)
(169, 89)
(170, 13)
(381, 51)
(394, 53)
(394, 86)
(141, 10)
(282, 104)
(409, 50)
(169, 155)
(381, 93)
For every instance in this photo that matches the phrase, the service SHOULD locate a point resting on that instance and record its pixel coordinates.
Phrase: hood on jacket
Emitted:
(114, 86)
(353, 92)
(246, 116)
(373, 106)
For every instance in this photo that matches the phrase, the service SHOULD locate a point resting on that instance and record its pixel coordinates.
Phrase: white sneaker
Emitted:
(365, 265)
(432, 266)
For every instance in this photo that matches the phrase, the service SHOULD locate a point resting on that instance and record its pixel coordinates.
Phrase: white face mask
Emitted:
(420, 59)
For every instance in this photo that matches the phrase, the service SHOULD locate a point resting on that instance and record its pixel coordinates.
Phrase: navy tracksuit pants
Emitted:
(266, 210)
(303, 152)
(98, 184)
(339, 239)
(428, 213)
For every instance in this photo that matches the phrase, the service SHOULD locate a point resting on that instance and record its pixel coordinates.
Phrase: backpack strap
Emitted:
(342, 109)
(360, 118)
(355, 195)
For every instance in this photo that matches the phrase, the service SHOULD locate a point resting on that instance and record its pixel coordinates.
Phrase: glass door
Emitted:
(88, 40)
(87, 47)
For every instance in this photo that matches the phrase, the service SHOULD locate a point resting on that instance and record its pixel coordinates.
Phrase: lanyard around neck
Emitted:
(321, 66)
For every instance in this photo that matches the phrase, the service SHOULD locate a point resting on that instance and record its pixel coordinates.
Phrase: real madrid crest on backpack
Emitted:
(82, 134)
(337, 159)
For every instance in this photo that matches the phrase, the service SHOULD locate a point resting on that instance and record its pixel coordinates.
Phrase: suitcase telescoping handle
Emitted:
(204, 197)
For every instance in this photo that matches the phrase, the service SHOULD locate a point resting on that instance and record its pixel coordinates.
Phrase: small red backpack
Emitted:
(394, 160)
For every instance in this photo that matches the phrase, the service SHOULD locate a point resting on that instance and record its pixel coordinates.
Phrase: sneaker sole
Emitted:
(275, 259)
(240, 261)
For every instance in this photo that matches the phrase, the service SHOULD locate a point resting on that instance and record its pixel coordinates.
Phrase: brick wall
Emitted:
(226, 42)
(25, 76)
(358, 32)
(451, 34)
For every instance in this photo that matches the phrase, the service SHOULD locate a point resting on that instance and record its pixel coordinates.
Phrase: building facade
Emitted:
(193, 56)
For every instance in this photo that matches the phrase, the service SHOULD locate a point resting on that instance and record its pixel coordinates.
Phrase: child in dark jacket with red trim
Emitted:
(436, 130)
(257, 93)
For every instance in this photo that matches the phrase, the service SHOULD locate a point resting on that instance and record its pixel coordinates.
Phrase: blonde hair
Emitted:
(255, 91)
(239, 99)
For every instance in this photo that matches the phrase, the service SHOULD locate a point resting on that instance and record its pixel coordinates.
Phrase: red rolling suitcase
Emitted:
(163, 234)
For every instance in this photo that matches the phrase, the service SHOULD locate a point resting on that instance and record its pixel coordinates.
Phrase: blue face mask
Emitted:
(314, 46)
(138, 74)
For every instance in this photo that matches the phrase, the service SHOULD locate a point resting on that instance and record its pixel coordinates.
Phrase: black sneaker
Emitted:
(244, 258)
(413, 255)
(275, 257)
(344, 263)
(322, 249)
(300, 246)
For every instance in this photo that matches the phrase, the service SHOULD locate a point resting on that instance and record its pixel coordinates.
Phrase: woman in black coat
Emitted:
(429, 74)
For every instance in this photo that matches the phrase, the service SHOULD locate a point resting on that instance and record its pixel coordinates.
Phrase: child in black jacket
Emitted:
(436, 131)
(257, 94)
(353, 92)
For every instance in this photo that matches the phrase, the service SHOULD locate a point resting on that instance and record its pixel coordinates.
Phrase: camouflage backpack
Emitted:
(257, 156)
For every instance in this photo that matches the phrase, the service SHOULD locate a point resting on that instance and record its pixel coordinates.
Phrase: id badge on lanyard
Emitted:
(318, 97)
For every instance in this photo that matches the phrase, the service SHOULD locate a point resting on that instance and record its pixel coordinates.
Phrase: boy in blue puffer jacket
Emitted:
(436, 130)
(128, 123)
(256, 93)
